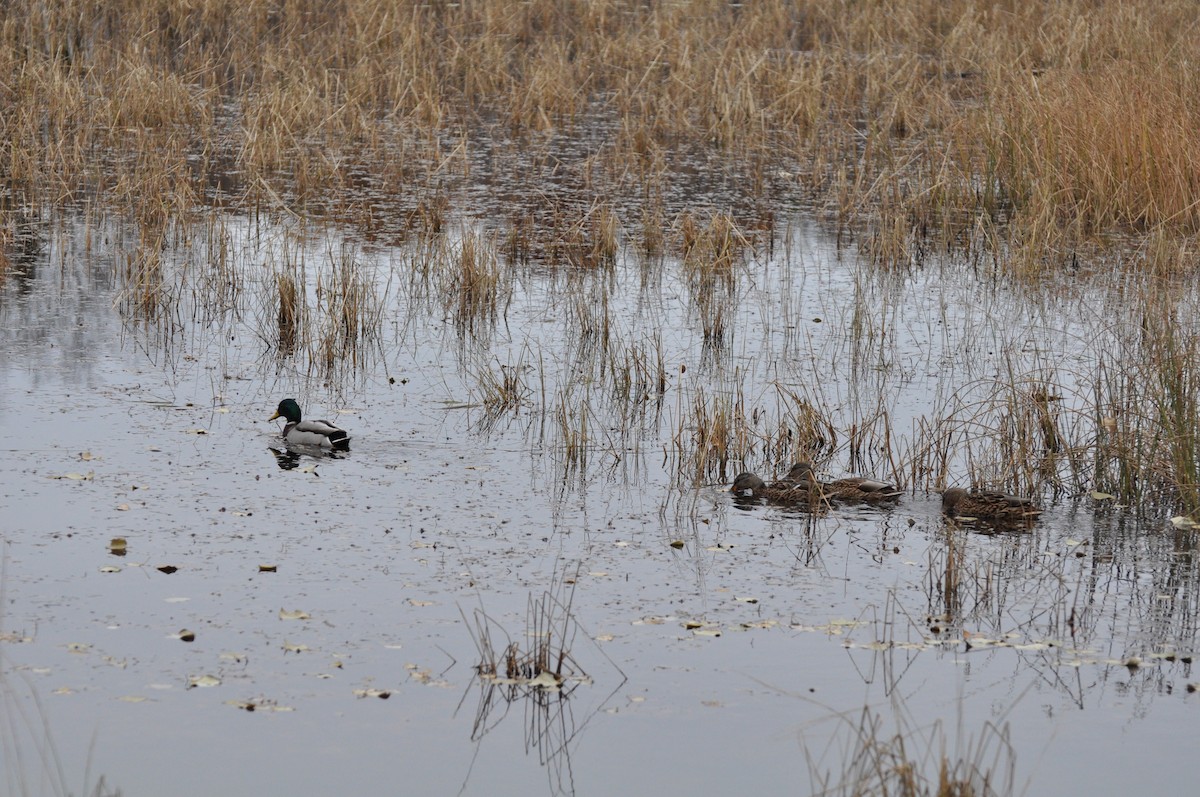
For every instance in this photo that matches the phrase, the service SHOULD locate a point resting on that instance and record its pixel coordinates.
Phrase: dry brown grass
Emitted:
(912, 122)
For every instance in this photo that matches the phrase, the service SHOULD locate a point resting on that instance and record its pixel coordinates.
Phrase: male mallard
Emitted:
(984, 505)
(851, 488)
(309, 433)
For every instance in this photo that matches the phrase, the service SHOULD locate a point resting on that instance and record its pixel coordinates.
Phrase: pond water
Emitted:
(309, 581)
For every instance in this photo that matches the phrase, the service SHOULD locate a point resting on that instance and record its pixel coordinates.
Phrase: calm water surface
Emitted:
(440, 511)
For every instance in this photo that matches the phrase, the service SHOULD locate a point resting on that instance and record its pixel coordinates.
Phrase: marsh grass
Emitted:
(349, 313)
(291, 312)
(544, 662)
(474, 285)
(914, 760)
(925, 133)
(910, 123)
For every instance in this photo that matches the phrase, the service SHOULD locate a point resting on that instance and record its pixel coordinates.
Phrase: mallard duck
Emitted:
(749, 485)
(985, 505)
(309, 433)
(851, 488)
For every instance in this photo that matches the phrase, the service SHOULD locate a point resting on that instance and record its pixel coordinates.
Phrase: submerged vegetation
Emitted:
(503, 142)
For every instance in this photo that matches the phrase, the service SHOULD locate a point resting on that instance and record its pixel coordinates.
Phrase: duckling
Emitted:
(985, 505)
(851, 488)
(309, 433)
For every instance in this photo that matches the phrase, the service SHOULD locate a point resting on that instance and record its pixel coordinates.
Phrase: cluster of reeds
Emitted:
(710, 254)
(547, 664)
(915, 761)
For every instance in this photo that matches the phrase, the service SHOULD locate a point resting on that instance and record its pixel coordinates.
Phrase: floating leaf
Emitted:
(77, 477)
(677, 544)
(746, 599)
(122, 507)
(1183, 522)
(259, 704)
(86, 456)
(185, 635)
(604, 638)
(845, 623)
(133, 699)
(417, 602)
(78, 647)
(689, 624)
(382, 694)
(231, 655)
(195, 431)
(168, 569)
(110, 569)
(203, 681)
(714, 631)
(546, 680)
(288, 647)
(1099, 496)
(294, 615)
(118, 545)
(267, 568)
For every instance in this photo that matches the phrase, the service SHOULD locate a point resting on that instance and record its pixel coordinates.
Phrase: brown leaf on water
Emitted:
(118, 546)
(295, 614)
(267, 568)
(168, 569)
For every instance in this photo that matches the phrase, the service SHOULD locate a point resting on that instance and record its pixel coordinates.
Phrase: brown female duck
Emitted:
(986, 505)
(851, 488)
(749, 485)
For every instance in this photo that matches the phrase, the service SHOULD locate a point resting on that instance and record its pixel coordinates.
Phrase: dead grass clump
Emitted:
(290, 313)
(349, 313)
(1147, 411)
(550, 630)
(916, 761)
(710, 255)
(474, 285)
(502, 391)
(712, 432)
